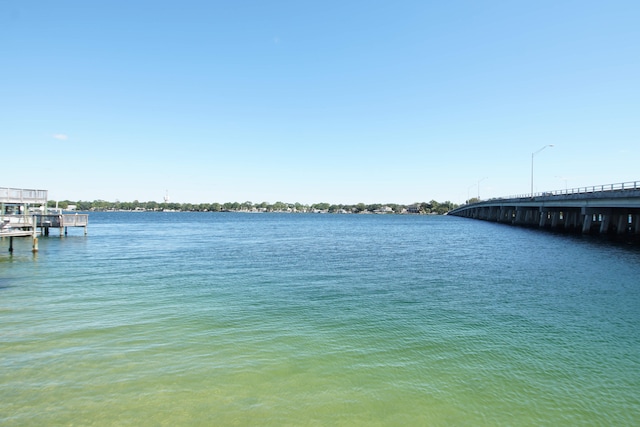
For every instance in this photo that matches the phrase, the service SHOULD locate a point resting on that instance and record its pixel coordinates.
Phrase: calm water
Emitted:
(276, 319)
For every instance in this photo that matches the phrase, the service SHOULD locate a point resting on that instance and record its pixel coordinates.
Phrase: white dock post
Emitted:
(35, 234)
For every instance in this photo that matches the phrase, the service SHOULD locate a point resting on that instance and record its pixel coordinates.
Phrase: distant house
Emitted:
(414, 209)
(383, 210)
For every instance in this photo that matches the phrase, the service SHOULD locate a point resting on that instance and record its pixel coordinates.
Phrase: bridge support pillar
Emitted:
(529, 217)
(511, 215)
(519, 214)
(606, 221)
(555, 218)
(586, 224)
(493, 213)
(486, 214)
(570, 220)
(543, 218)
(576, 223)
(623, 222)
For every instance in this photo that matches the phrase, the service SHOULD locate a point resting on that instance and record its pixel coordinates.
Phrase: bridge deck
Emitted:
(610, 209)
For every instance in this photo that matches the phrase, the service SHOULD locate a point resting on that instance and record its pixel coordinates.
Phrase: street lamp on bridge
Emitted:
(468, 190)
(479, 181)
(532, 155)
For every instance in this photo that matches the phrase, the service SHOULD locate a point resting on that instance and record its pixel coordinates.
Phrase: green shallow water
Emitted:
(275, 319)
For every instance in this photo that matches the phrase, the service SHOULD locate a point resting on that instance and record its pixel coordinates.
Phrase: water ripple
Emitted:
(231, 319)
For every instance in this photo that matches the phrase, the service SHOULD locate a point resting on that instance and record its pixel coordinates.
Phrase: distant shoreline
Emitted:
(421, 208)
(365, 212)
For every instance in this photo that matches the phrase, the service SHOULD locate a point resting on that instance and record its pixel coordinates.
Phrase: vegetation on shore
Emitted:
(432, 207)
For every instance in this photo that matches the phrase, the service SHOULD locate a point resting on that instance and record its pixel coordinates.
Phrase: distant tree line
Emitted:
(432, 207)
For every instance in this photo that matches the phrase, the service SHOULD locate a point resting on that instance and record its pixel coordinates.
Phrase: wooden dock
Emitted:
(18, 220)
(61, 221)
(24, 228)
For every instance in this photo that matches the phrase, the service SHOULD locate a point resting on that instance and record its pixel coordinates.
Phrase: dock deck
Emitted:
(16, 233)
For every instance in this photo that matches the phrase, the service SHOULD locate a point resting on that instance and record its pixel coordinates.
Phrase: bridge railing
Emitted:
(621, 186)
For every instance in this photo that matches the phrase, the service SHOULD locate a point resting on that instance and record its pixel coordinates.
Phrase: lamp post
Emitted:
(469, 189)
(532, 155)
(479, 181)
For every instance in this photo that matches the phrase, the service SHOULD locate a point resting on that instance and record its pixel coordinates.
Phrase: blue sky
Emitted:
(317, 101)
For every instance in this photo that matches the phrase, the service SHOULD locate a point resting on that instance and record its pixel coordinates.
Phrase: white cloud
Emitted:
(61, 136)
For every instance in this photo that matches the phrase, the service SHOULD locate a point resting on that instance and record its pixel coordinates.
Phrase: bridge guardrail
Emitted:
(621, 186)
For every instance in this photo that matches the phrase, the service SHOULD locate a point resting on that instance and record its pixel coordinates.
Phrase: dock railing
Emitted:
(74, 220)
(63, 220)
(17, 221)
(20, 195)
(17, 225)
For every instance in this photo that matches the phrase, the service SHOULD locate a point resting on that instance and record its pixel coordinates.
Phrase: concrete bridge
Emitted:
(612, 209)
